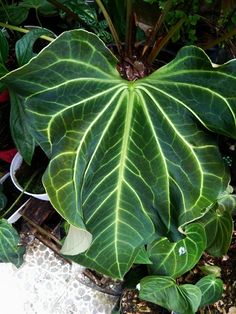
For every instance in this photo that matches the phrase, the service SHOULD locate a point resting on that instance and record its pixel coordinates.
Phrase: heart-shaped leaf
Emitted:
(161, 290)
(218, 226)
(10, 250)
(176, 258)
(211, 288)
(128, 159)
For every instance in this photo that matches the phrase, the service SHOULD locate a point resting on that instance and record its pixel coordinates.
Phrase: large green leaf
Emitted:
(127, 158)
(174, 259)
(10, 250)
(211, 288)
(161, 290)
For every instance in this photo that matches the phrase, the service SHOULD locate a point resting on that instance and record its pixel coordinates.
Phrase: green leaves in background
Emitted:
(211, 289)
(10, 250)
(17, 13)
(3, 199)
(184, 299)
(176, 258)
(4, 51)
(20, 130)
(128, 159)
(24, 46)
(13, 13)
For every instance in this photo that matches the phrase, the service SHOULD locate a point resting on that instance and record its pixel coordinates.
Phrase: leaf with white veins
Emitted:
(128, 159)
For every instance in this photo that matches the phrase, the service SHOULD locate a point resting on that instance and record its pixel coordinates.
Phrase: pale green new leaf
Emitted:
(161, 290)
(10, 249)
(211, 288)
(77, 241)
(128, 159)
(176, 258)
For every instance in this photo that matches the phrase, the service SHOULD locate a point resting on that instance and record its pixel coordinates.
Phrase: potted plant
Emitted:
(134, 160)
(21, 173)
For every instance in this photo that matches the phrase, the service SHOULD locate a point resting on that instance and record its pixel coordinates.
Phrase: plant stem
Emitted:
(41, 230)
(110, 24)
(159, 44)
(128, 34)
(37, 17)
(157, 27)
(219, 40)
(20, 196)
(23, 30)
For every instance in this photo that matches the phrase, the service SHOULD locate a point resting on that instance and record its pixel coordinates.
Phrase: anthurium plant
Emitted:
(134, 160)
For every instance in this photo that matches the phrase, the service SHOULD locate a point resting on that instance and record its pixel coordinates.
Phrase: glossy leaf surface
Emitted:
(162, 290)
(128, 159)
(10, 250)
(211, 288)
(176, 258)
(218, 226)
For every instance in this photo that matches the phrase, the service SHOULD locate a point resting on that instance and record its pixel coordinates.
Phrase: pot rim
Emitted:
(15, 164)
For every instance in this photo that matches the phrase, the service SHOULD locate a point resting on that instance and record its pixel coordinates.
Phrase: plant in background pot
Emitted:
(134, 160)
(21, 136)
(21, 173)
(10, 248)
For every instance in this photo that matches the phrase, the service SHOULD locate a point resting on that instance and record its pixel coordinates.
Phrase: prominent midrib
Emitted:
(124, 149)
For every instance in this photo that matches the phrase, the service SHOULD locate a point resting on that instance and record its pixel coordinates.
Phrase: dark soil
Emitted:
(131, 304)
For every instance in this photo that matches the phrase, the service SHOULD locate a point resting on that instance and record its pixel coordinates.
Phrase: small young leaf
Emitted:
(24, 46)
(174, 259)
(218, 227)
(142, 257)
(161, 290)
(210, 270)
(211, 288)
(10, 250)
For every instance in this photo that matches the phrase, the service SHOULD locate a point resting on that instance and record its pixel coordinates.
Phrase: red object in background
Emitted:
(4, 96)
(7, 155)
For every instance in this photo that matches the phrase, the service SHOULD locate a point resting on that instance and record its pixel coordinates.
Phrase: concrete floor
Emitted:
(47, 284)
